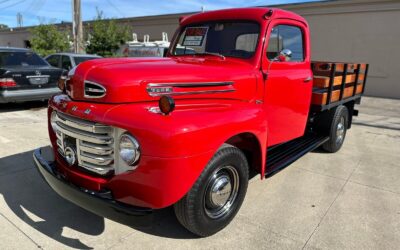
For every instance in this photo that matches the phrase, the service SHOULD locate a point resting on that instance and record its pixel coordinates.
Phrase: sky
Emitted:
(54, 11)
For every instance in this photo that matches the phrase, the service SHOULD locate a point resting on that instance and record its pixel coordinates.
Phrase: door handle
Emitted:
(308, 79)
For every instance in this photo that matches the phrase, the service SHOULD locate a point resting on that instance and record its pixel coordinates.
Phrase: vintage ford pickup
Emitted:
(239, 97)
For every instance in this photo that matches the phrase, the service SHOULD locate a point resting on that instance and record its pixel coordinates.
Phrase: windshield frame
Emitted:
(182, 29)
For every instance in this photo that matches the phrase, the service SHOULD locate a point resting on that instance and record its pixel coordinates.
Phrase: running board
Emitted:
(281, 156)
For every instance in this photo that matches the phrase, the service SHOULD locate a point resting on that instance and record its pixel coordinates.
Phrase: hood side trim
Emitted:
(159, 89)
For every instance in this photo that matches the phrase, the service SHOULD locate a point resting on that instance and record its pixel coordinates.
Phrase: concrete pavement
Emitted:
(347, 200)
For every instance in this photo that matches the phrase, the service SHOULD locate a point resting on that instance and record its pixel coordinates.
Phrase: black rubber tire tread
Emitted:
(188, 210)
(331, 146)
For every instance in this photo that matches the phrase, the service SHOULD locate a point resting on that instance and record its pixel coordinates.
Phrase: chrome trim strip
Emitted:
(59, 143)
(40, 76)
(155, 110)
(204, 92)
(95, 148)
(82, 124)
(74, 123)
(101, 161)
(96, 84)
(189, 85)
(60, 151)
(95, 90)
(82, 135)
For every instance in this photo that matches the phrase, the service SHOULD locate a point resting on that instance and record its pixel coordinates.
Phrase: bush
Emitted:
(46, 39)
(105, 37)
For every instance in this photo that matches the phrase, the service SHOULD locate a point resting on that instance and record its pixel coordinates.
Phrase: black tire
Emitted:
(197, 212)
(337, 130)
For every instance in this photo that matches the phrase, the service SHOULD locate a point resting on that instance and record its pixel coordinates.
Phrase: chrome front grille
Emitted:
(93, 142)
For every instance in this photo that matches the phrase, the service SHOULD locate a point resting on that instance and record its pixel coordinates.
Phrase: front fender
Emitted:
(177, 147)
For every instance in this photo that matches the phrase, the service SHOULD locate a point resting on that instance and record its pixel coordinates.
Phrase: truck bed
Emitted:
(336, 83)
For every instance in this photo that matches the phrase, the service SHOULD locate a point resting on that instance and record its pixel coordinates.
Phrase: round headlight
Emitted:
(53, 119)
(129, 149)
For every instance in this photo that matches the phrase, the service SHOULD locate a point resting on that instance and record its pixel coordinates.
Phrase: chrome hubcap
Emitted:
(221, 192)
(340, 131)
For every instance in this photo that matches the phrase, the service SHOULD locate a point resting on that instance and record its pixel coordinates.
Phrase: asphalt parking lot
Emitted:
(347, 200)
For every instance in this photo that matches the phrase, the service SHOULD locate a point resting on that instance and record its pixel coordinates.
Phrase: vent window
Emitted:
(94, 90)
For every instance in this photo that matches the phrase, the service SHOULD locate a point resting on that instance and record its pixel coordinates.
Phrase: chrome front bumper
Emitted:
(100, 203)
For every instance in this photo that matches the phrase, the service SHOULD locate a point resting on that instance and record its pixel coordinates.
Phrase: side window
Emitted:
(286, 37)
(66, 63)
(53, 61)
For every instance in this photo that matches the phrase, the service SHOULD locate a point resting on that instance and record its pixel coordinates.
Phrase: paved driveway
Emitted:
(346, 200)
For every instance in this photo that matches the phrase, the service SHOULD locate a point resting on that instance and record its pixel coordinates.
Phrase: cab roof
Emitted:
(255, 14)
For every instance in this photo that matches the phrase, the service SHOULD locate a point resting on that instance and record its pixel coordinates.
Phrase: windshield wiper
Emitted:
(211, 54)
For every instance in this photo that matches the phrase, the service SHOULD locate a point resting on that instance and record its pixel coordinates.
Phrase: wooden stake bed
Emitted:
(323, 81)
(336, 82)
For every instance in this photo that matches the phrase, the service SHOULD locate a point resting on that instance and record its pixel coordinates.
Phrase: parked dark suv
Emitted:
(25, 76)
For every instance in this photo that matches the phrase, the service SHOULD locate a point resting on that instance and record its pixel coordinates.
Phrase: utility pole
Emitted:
(20, 21)
(77, 26)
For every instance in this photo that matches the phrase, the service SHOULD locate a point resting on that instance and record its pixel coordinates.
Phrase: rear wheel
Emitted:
(217, 195)
(338, 129)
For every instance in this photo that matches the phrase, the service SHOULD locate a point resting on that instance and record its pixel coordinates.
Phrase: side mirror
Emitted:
(62, 81)
(284, 56)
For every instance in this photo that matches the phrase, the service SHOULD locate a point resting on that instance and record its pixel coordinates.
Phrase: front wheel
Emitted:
(217, 195)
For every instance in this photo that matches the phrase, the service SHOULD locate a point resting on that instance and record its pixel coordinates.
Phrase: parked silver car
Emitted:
(68, 60)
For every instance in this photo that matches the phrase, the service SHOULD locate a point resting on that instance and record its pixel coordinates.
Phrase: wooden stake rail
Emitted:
(323, 81)
(335, 82)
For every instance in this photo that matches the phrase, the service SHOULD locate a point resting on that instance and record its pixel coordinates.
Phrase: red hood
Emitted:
(127, 79)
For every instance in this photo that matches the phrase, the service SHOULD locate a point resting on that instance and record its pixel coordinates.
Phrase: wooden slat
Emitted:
(323, 81)
(363, 66)
(321, 98)
(326, 67)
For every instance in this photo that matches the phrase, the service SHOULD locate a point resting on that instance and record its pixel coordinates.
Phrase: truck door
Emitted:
(288, 83)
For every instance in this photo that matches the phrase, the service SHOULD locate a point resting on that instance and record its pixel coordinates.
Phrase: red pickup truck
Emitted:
(236, 95)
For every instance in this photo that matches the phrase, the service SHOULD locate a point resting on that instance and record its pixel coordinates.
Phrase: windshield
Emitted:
(231, 39)
(21, 59)
(81, 59)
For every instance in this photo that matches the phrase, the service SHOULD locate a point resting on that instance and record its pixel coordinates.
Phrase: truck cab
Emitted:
(235, 95)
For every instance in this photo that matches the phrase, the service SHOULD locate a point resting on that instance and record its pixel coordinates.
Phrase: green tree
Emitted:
(3, 26)
(105, 36)
(46, 39)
